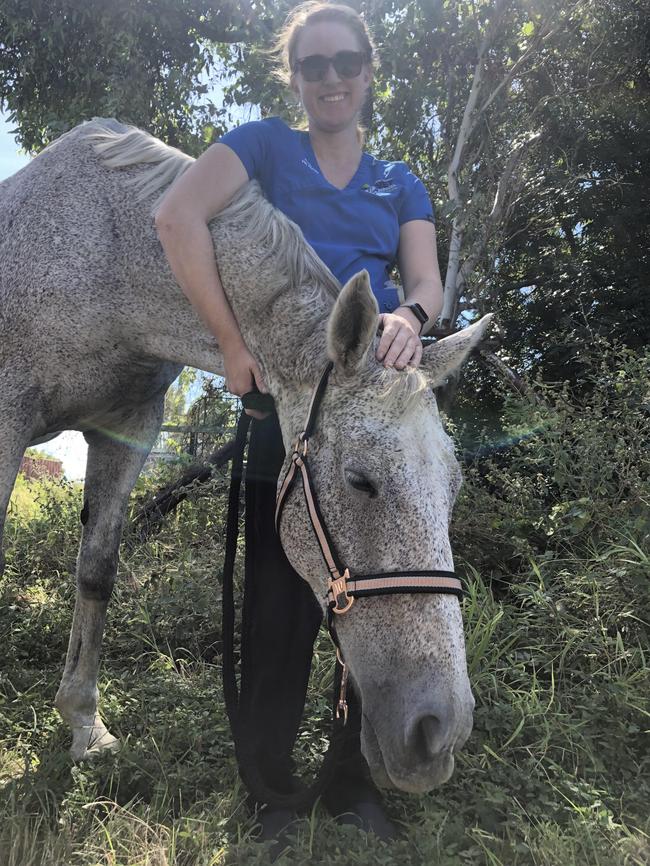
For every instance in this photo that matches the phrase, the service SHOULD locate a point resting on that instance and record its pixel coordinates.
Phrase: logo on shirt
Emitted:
(306, 162)
(380, 187)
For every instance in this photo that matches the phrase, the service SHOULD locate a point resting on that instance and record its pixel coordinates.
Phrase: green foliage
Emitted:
(39, 453)
(553, 538)
(202, 426)
(63, 62)
(212, 417)
(578, 245)
(577, 475)
(24, 498)
(177, 396)
(42, 526)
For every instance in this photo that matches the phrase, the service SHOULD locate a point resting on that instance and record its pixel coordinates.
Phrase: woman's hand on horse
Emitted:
(243, 374)
(400, 341)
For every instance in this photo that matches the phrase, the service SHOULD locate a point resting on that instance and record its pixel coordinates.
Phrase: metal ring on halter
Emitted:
(339, 589)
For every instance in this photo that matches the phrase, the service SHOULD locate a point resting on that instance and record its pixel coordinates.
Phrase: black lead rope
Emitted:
(246, 759)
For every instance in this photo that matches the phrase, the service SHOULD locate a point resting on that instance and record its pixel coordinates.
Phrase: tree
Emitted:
(527, 120)
(64, 61)
(575, 264)
(177, 396)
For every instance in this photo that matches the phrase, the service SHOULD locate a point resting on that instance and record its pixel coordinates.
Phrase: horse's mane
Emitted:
(121, 146)
(264, 227)
(397, 389)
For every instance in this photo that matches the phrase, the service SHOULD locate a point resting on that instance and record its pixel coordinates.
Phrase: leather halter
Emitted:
(344, 589)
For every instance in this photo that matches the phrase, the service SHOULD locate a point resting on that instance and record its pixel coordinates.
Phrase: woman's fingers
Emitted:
(387, 335)
(394, 329)
(400, 342)
(257, 381)
(392, 342)
(240, 382)
(402, 349)
(407, 354)
(398, 345)
(243, 373)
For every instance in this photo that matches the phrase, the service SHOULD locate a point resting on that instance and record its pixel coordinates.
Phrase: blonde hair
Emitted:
(315, 12)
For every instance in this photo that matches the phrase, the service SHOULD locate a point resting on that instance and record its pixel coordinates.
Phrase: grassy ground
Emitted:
(557, 770)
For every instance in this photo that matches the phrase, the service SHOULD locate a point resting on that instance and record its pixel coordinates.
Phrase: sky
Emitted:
(10, 159)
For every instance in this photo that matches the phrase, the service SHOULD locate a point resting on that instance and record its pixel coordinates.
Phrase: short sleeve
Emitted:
(416, 204)
(251, 142)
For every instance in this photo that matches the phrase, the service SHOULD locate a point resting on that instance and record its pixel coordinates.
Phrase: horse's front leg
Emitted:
(114, 463)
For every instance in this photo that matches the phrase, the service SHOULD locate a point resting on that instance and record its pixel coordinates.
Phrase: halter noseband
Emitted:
(344, 589)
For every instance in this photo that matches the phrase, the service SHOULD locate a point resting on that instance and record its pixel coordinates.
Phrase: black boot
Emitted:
(275, 824)
(357, 802)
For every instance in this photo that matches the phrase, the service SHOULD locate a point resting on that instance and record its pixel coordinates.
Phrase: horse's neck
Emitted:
(288, 341)
(283, 325)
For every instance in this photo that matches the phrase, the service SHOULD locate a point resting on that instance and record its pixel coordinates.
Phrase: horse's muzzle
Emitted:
(418, 754)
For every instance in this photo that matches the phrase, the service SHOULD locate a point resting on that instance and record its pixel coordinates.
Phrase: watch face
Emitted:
(418, 311)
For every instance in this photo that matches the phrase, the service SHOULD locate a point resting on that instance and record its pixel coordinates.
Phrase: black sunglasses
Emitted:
(347, 64)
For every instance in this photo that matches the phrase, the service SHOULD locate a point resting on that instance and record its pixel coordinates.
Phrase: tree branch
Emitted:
(452, 289)
(516, 383)
(150, 515)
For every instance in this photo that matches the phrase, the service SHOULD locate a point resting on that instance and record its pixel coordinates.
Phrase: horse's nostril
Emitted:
(428, 737)
(431, 727)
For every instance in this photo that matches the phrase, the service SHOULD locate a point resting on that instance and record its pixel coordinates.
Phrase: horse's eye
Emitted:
(360, 483)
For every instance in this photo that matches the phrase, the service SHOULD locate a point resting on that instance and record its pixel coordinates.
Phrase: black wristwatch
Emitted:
(419, 312)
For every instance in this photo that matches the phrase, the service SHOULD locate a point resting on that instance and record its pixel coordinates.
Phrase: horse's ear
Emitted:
(446, 355)
(352, 324)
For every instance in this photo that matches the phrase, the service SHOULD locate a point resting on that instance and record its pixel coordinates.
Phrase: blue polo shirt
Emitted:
(350, 229)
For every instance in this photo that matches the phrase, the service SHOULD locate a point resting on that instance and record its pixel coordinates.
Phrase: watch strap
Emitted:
(419, 312)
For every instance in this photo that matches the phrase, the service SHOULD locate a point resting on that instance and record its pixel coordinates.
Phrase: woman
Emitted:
(357, 212)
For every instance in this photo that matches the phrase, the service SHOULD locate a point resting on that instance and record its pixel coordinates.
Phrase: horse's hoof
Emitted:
(91, 741)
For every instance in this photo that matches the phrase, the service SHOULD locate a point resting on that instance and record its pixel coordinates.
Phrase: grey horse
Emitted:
(94, 328)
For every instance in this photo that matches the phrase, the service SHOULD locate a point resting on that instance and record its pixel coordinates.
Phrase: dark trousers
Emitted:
(280, 620)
